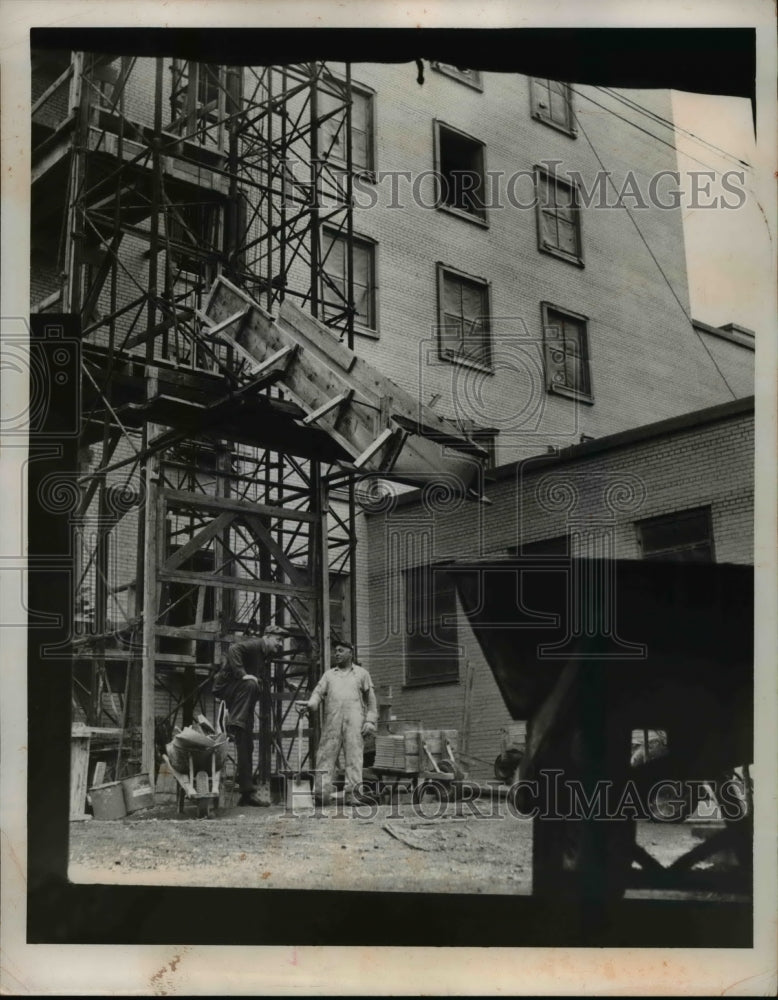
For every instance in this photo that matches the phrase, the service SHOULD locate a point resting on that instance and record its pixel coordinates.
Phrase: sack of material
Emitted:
(191, 742)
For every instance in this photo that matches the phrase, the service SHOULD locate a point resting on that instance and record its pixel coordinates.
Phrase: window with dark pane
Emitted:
(464, 318)
(559, 220)
(686, 536)
(431, 650)
(333, 135)
(335, 279)
(566, 353)
(461, 172)
(552, 104)
(559, 545)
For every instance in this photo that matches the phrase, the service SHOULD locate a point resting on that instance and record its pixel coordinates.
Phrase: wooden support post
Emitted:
(150, 612)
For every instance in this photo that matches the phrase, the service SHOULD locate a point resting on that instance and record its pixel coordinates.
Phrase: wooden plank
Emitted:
(179, 498)
(362, 376)
(337, 401)
(382, 439)
(310, 379)
(79, 770)
(235, 583)
(190, 632)
(199, 540)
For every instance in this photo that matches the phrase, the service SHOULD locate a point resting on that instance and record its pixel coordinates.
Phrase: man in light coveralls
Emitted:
(350, 713)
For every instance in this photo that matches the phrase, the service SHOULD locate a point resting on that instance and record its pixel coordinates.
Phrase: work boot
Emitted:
(251, 799)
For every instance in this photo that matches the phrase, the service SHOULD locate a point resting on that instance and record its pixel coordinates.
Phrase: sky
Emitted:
(727, 250)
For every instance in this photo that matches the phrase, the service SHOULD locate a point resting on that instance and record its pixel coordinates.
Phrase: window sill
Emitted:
(429, 682)
(368, 174)
(455, 358)
(366, 331)
(564, 129)
(568, 393)
(453, 75)
(560, 254)
(460, 213)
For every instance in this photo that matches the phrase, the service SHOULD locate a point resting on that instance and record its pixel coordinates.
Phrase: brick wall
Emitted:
(647, 362)
(708, 463)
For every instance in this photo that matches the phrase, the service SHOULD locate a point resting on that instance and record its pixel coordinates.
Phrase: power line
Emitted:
(653, 257)
(651, 135)
(668, 123)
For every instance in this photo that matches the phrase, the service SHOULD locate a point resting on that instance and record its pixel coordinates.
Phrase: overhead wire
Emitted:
(668, 123)
(654, 258)
(651, 135)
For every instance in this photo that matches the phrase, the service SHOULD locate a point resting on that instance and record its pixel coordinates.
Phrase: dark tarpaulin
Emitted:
(704, 60)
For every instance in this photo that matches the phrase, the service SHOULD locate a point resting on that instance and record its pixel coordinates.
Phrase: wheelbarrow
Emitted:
(195, 760)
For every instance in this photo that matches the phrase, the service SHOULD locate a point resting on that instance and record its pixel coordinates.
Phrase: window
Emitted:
(559, 218)
(431, 651)
(333, 129)
(194, 234)
(460, 170)
(201, 96)
(463, 309)
(335, 280)
(566, 352)
(683, 537)
(559, 545)
(552, 103)
(471, 77)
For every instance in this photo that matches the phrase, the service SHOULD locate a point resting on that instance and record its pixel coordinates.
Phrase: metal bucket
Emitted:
(108, 801)
(138, 793)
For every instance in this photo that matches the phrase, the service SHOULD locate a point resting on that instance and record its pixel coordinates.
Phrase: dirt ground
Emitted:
(390, 848)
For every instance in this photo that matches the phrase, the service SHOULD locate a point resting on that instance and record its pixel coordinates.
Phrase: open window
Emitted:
(460, 171)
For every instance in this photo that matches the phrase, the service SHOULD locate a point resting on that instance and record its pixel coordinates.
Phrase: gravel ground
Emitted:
(359, 849)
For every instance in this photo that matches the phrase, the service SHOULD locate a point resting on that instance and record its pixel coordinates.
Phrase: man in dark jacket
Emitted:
(237, 684)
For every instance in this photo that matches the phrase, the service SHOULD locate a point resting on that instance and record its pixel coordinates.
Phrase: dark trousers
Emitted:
(240, 696)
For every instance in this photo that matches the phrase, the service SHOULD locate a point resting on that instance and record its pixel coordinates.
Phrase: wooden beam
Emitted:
(148, 669)
(180, 498)
(342, 399)
(235, 583)
(376, 446)
(190, 632)
(199, 540)
(265, 538)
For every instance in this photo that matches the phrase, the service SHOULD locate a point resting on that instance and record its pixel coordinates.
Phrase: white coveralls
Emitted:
(349, 702)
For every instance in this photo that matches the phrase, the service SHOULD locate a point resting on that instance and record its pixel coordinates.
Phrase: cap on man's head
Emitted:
(343, 642)
(276, 630)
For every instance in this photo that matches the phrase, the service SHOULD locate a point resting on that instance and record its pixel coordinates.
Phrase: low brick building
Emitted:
(680, 488)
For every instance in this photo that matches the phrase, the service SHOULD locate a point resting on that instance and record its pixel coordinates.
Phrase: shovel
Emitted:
(298, 789)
